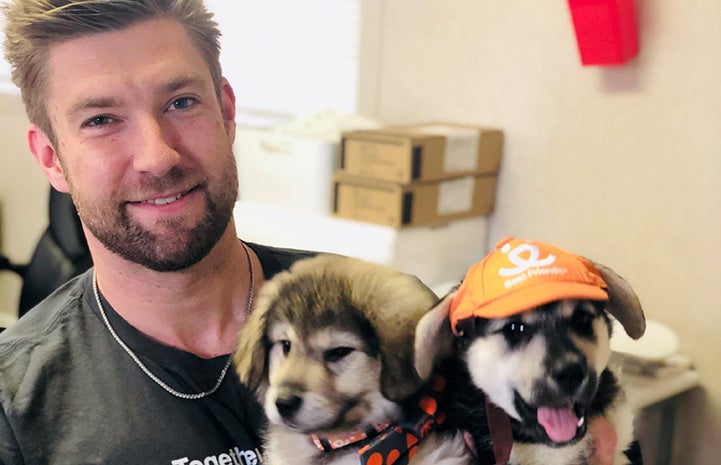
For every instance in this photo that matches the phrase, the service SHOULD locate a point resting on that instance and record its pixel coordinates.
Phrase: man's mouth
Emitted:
(165, 200)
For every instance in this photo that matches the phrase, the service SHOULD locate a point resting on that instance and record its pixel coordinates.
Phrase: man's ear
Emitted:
(47, 157)
(227, 107)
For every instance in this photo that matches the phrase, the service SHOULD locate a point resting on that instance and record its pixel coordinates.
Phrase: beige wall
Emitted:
(23, 199)
(621, 164)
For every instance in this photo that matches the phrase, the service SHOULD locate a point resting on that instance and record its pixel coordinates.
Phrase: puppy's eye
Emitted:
(336, 354)
(582, 322)
(517, 332)
(285, 345)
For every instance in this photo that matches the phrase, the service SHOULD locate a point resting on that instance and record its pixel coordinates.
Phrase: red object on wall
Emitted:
(606, 30)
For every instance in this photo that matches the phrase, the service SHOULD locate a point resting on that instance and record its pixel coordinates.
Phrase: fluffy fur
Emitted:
(329, 349)
(547, 368)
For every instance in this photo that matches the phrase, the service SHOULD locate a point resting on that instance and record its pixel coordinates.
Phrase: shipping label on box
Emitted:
(427, 152)
(418, 204)
(456, 196)
(460, 151)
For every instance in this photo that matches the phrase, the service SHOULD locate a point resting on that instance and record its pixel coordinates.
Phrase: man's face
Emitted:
(143, 143)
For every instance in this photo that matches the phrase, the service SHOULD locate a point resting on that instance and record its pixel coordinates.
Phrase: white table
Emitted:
(645, 392)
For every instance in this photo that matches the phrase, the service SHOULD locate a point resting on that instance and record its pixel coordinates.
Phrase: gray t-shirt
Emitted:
(71, 395)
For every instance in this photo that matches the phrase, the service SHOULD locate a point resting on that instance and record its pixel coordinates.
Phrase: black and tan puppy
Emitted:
(529, 331)
(329, 351)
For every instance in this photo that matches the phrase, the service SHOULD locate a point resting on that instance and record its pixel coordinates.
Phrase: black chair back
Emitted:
(61, 254)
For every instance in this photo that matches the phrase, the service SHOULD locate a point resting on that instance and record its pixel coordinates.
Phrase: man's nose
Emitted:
(156, 151)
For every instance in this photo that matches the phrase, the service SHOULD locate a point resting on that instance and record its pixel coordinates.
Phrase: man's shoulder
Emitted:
(277, 259)
(42, 327)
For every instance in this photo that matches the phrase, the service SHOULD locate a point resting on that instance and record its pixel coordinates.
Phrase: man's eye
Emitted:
(100, 120)
(182, 103)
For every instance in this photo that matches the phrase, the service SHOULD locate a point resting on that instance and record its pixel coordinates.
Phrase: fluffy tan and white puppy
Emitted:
(328, 350)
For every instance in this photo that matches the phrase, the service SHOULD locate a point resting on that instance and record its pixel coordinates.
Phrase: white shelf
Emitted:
(644, 391)
(439, 256)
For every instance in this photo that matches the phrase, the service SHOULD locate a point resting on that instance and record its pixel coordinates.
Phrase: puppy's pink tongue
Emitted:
(560, 423)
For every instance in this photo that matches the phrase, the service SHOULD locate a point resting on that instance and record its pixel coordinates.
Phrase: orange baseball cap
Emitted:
(519, 275)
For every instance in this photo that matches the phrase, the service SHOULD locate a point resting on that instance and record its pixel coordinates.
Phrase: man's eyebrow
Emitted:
(182, 82)
(92, 103)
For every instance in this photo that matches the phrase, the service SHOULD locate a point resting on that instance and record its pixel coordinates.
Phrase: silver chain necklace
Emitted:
(145, 369)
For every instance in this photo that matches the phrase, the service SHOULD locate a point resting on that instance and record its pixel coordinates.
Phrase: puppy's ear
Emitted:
(623, 302)
(250, 357)
(395, 318)
(434, 339)
(398, 378)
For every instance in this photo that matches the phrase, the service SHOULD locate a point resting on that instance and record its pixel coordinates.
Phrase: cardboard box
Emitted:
(416, 204)
(427, 152)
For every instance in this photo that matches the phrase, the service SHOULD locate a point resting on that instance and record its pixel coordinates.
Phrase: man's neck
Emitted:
(199, 309)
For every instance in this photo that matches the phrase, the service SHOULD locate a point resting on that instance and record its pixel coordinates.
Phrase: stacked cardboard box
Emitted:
(417, 175)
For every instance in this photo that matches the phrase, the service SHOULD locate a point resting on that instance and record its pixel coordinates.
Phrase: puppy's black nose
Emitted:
(288, 405)
(570, 378)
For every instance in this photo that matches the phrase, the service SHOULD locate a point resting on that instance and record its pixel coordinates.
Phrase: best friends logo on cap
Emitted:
(519, 275)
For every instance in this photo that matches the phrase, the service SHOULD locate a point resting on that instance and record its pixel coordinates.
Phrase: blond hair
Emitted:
(33, 27)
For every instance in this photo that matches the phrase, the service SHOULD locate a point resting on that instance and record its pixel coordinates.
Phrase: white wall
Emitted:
(288, 58)
(23, 199)
(19, 219)
(620, 164)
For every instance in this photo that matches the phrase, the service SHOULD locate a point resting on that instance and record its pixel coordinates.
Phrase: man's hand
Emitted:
(605, 441)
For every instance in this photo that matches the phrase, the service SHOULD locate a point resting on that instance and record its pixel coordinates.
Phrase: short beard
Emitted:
(138, 245)
(180, 249)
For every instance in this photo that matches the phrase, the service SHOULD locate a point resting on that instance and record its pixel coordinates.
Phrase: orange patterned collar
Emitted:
(393, 444)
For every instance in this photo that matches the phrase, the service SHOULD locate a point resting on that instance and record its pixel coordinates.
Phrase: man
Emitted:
(130, 114)
(127, 364)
